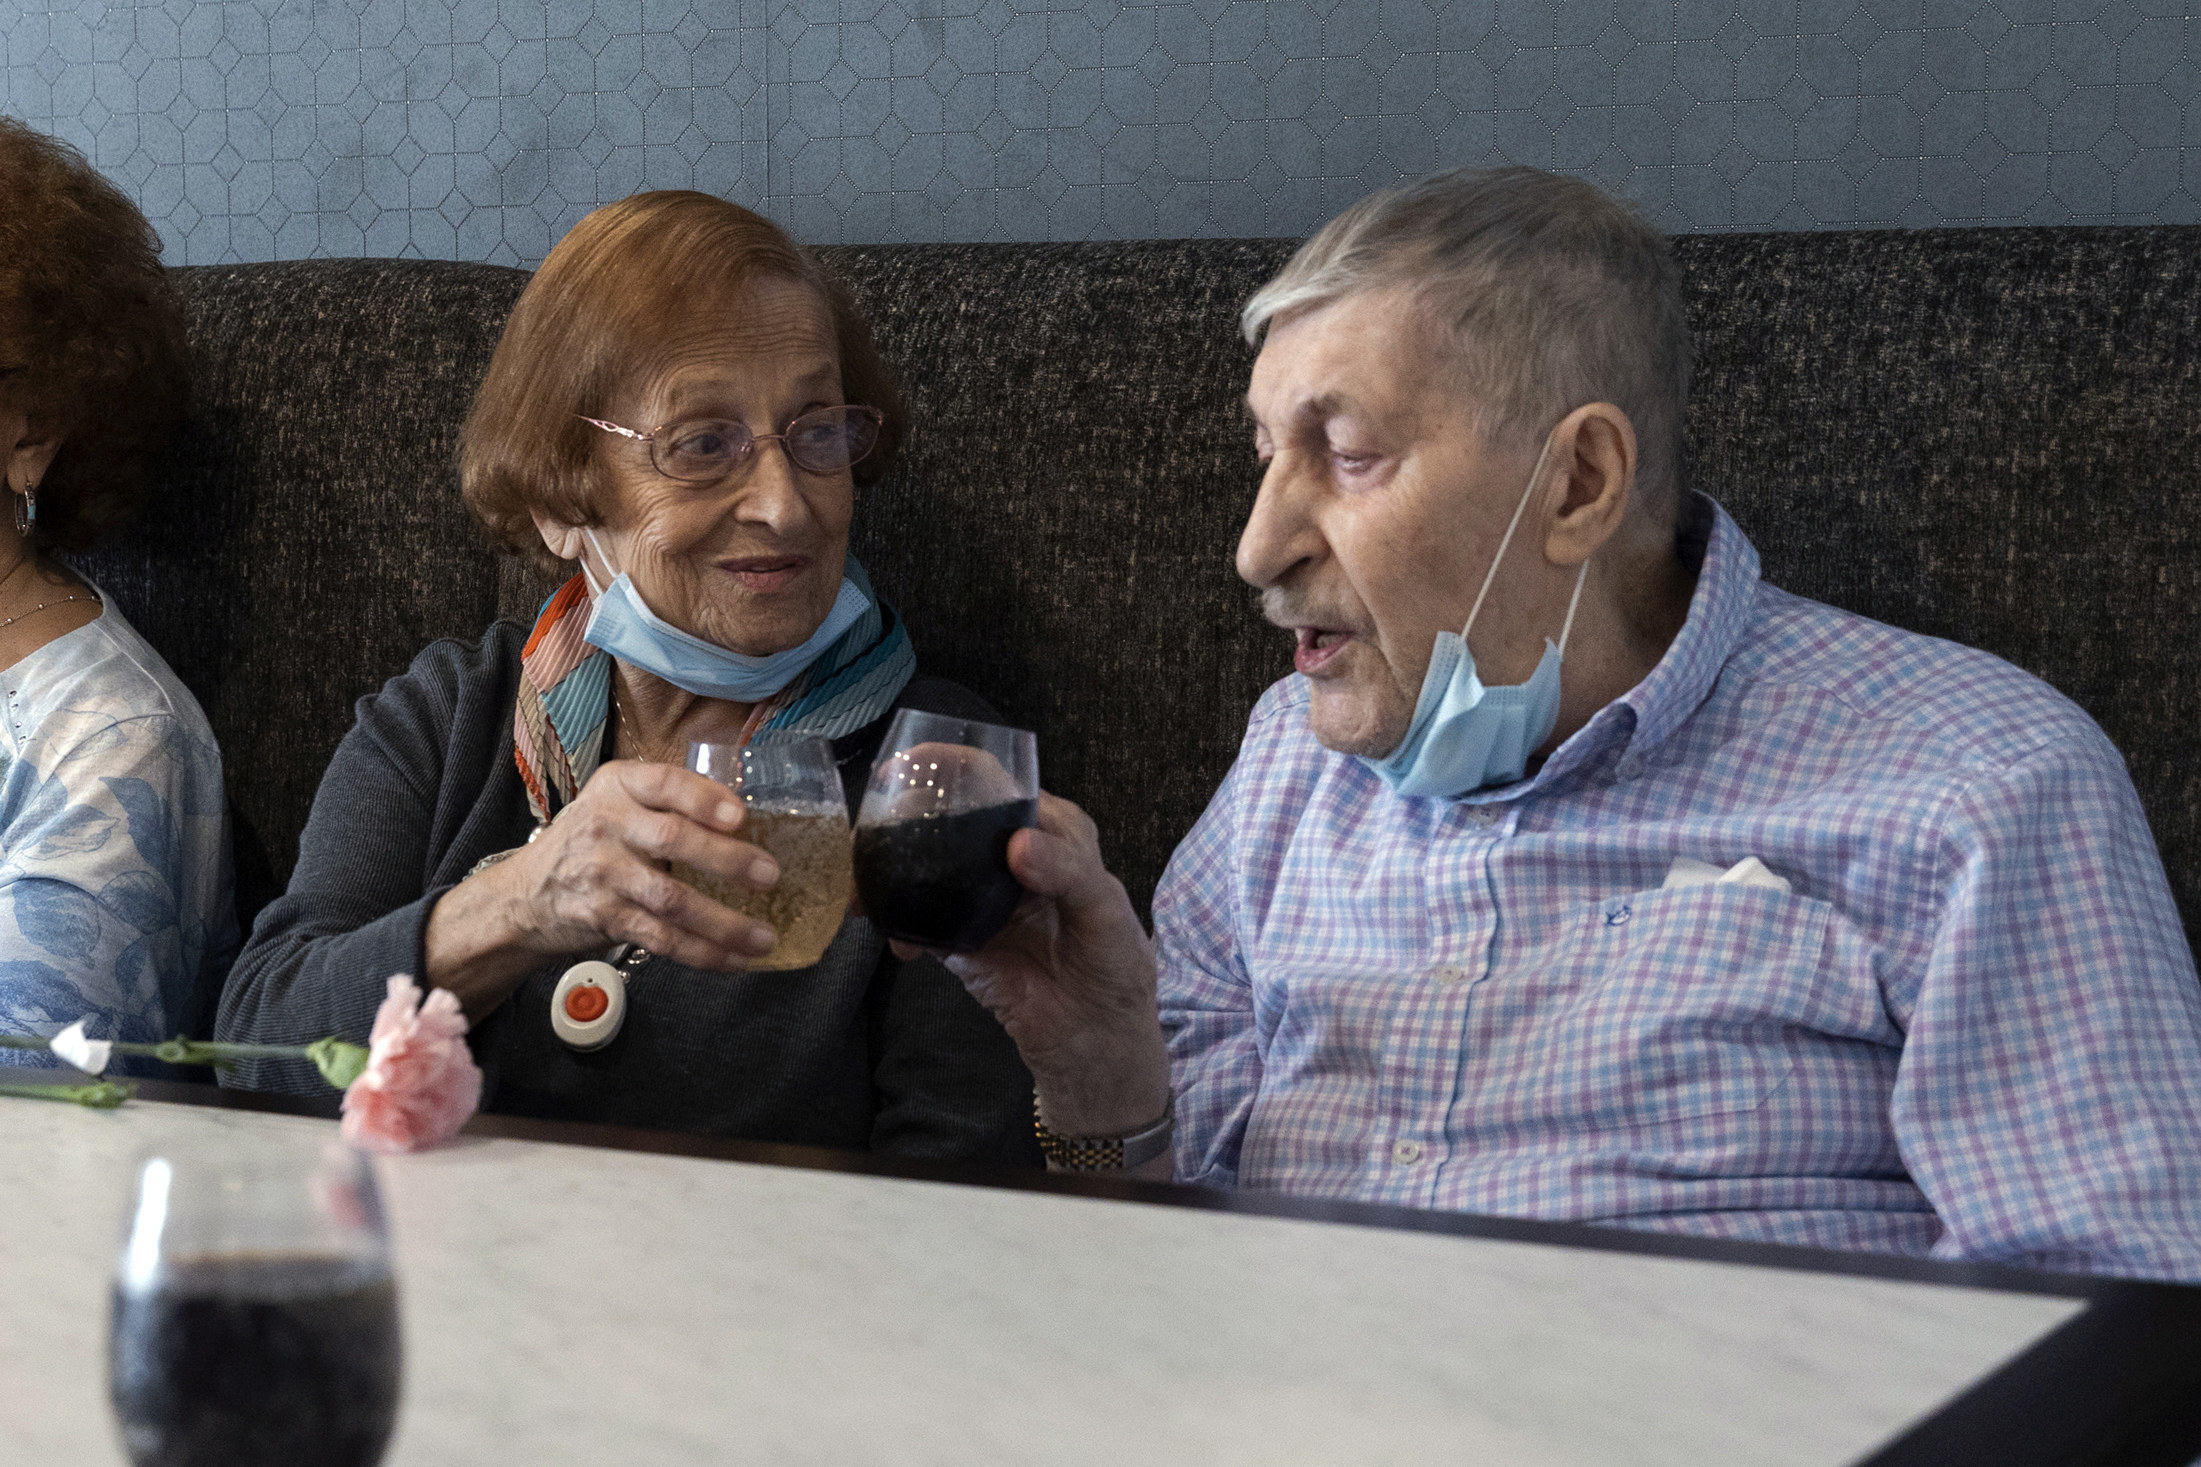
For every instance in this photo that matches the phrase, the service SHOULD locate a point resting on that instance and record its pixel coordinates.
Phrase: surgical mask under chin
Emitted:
(621, 624)
(1465, 735)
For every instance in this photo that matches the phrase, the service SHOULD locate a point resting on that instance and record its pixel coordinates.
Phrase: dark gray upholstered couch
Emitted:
(1988, 435)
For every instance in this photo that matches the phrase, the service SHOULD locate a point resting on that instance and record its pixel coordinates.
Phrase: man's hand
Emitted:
(1072, 980)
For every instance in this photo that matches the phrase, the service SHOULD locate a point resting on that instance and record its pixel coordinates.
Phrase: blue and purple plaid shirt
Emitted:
(1973, 1028)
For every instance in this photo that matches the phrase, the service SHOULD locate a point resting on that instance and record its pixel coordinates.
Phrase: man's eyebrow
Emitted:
(1328, 405)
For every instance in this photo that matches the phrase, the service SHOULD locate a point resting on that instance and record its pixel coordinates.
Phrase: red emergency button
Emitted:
(588, 1005)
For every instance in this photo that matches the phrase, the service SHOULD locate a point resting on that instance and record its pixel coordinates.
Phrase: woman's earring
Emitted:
(26, 509)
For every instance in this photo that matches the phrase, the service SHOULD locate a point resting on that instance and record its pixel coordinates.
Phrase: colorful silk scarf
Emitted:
(565, 691)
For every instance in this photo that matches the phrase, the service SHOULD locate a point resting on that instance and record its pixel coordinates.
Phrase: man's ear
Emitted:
(563, 540)
(1594, 460)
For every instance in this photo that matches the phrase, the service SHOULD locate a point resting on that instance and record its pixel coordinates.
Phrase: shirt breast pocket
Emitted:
(1675, 1004)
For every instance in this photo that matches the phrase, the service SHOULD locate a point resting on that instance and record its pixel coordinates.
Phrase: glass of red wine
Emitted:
(932, 836)
(254, 1319)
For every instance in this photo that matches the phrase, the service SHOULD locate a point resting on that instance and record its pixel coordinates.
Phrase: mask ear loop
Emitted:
(594, 544)
(1580, 580)
(1535, 475)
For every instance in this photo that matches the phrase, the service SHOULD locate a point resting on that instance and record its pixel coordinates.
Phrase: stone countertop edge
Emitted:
(2119, 1383)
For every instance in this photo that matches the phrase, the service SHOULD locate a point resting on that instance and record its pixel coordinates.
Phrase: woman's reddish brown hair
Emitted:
(91, 336)
(585, 327)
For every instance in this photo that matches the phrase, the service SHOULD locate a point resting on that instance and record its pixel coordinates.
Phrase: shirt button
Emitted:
(1449, 975)
(1406, 1153)
(1630, 767)
(1485, 816)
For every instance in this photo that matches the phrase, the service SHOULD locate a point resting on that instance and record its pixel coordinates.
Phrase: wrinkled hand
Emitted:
(596, 876)
(1071, 977)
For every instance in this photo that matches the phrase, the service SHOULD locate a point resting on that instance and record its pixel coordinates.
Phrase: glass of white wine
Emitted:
(797, 812)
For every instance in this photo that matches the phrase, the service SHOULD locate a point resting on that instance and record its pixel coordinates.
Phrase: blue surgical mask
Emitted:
(624, 626)
(1465, 736)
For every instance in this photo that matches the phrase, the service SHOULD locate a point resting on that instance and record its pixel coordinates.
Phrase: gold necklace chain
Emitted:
(41, 606)
(621, 733)
(625, 729)
(30, 560)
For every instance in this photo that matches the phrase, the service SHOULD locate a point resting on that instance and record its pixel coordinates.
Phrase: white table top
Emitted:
(568, 1304)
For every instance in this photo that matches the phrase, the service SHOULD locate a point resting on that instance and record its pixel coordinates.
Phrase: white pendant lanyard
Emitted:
(590, 1002)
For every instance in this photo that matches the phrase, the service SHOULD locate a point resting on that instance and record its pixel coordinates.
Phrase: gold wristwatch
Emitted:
(1105, 1153)
(495, 856)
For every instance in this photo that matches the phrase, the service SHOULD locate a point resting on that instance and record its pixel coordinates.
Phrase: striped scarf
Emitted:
(564, 704)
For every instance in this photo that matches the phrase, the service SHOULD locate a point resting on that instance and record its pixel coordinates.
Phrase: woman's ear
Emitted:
(1594, 449)
(30, 457)
(563, 540)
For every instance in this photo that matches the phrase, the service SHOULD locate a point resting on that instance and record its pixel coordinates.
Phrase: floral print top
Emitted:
(115, 883)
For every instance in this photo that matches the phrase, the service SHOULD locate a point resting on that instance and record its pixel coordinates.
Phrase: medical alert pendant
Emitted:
(589, 1004)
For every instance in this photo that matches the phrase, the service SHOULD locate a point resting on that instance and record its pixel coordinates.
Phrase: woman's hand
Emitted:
(1072, 980)
(596, 877)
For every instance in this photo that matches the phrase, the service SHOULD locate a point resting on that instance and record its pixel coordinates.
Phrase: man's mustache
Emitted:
(1285, 609)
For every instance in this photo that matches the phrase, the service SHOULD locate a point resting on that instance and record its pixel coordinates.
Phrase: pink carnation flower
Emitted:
(421, 1083)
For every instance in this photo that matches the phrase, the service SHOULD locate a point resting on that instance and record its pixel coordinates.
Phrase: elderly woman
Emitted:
(114, 854)
(682, 404)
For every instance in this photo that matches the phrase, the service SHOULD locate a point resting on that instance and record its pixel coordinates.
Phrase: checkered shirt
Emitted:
(1972, 1029)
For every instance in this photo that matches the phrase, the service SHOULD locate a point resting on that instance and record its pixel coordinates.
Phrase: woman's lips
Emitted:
(765, 572)
(1317, 646)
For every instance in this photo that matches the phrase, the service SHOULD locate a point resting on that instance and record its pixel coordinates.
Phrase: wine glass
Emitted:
(932, 838)
(796, 811)
(254, 1319)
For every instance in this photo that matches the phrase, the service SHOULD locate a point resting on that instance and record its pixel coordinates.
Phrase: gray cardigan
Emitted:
(862, 1050)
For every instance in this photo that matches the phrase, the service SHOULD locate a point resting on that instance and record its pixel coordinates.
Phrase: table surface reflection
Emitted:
(598, 1304)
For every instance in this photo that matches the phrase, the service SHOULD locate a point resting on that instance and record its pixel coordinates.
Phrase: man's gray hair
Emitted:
(1553, 293)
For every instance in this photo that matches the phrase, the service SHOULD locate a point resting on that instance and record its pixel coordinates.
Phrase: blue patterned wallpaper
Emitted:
(481, 129)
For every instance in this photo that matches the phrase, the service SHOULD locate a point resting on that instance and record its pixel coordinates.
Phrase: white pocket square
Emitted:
(1749, 871)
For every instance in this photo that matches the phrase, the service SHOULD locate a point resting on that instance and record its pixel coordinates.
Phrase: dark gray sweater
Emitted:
(862, 1050)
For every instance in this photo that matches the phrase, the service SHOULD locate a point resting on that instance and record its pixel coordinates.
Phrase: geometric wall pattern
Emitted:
(482, 129)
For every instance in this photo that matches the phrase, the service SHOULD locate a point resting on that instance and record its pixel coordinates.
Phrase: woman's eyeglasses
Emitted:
(706, 450)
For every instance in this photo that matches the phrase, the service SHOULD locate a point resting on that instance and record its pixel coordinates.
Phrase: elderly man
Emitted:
(1580, 874)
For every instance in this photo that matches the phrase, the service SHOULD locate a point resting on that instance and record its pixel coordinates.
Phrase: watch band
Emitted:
(1105, 1153)
(495, 856)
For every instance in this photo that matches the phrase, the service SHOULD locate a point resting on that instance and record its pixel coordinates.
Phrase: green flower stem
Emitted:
(177, 1051)
(99, 1095)
(217, 1049)
(338, 1062)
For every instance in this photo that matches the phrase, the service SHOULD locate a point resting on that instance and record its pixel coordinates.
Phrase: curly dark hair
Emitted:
(91, 335)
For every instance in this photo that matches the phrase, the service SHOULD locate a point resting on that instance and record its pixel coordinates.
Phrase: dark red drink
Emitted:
(257, 1360)
(942, 880)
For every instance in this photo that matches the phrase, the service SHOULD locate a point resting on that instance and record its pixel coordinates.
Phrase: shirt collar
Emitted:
(1719, 615)
(1648, 714)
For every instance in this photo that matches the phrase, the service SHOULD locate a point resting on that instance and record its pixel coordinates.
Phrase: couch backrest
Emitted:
(1989, 435)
